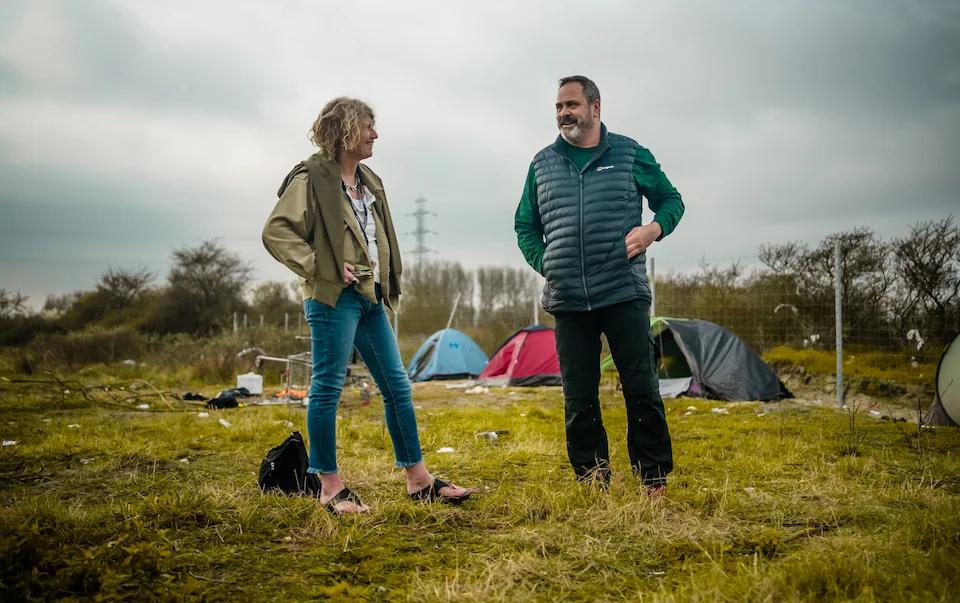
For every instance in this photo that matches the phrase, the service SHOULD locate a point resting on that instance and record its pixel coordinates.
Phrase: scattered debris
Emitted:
(184, 460)
(9, 443)
(445, 450)
(720, 411)
(288, 424)
(203, 415)
(197, 396)
(130, 362)
(143, 406)
(47, 420)
(226, 423)
(494, 435)
(687, 414)
(750, 490)
(73, 426)
(86, 461)
(477, 390)
(418, 407)
(691, 408)
(4, 379)
(874, 413)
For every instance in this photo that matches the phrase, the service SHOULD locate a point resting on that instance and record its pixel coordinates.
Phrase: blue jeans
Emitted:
(334, 331)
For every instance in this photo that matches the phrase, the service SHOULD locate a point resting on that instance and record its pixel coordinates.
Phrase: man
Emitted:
(579, 225)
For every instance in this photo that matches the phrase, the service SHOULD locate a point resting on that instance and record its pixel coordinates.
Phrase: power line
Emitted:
(421, 250)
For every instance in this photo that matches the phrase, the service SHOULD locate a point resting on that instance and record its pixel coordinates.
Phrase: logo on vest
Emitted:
(604, 167)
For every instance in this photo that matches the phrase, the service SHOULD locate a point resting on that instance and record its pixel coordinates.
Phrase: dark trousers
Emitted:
(627, 327)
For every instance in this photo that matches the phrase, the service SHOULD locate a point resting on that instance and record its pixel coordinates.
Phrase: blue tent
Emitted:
(447, 354)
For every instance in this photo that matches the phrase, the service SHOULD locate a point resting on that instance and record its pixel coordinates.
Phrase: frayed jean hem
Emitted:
(406, 464)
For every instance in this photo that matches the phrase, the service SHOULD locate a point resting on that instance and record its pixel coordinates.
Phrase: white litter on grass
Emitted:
(144, 406)
(9, 443)
(130, 362)
(73, 426)
(446, 449)
(226, 423)
(86, 461)
(203, 415)
(418, 407)
(523, 414)
(874, 413)
(47, 420)
(750, 490)
(184, 460)
(4, 379)
(477, 390)
(720, 411)
(691, 408)
(687, 414)
(284, 423)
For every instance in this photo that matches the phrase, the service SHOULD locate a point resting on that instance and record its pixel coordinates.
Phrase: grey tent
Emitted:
(945, 409)
(700, 358)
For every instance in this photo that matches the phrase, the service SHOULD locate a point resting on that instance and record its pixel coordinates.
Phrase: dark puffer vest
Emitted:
(586, 216)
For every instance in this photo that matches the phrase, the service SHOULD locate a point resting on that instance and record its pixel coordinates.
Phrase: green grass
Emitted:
(770, 507)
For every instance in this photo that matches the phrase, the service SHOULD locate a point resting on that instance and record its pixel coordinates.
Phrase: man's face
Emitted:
(574, 116)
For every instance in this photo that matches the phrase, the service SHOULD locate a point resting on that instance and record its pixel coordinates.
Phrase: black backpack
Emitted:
(285, 469)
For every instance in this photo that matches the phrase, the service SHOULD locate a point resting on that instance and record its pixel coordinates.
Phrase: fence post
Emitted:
(653, 288)
(299, 322)
(234, 323)
(838, 303)
(261, 321)
(536, 308)
(286, 321)
(244, 321)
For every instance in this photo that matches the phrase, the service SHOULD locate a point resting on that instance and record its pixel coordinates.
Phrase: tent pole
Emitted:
(456, 302)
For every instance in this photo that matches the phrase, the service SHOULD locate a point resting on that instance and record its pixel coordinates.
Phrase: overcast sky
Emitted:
(128, 129)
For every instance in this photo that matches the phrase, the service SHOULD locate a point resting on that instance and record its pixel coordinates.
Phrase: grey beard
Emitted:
(574, 135)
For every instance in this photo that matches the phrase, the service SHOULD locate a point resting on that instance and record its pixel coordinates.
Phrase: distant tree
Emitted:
(122, 288)
(928, 264)
(273, 300)
(205, 286)
(12, 304)
(59, 304)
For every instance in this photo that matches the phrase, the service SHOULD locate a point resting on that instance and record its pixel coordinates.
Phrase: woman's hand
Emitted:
(348, 274)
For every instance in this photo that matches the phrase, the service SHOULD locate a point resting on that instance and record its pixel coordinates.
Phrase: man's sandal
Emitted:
(339, 497)
(432, 493)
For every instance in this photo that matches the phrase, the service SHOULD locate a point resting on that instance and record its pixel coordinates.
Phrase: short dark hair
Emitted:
(590, 90)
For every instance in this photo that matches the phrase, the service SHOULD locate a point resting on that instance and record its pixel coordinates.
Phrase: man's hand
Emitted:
(641, 237)
(348, 274)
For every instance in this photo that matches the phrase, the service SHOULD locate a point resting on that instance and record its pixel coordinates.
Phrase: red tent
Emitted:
(528, 358)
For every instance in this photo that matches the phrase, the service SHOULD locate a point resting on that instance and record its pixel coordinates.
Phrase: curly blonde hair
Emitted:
(338, 125)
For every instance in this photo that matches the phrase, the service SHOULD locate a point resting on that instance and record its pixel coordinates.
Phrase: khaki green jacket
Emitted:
(312, 231)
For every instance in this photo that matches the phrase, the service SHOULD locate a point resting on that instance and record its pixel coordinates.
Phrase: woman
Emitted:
(332, 227)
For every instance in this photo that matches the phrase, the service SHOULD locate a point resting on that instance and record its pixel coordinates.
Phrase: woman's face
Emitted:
(367, 135)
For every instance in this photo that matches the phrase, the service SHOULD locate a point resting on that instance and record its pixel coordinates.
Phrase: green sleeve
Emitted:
(528, 225)
(664, 200)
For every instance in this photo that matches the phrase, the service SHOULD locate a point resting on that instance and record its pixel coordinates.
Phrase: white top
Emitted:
(371, 227)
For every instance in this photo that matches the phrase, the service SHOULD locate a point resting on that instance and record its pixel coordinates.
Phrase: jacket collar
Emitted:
(602, 147)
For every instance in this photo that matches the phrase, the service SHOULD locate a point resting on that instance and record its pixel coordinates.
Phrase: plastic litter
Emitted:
(445, 450)
(494, 435)
(477, 390)
(720, 411)
(750, 490)
(874, 413)
(73, 426)
(144, 406)
(130, 362)
(691, 408)
(9, 443)
(226, 423)
(86, 461)
(687, 414)
(203, 415)
(184, 460)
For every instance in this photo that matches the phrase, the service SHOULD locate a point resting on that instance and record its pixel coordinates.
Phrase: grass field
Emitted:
(768, 502)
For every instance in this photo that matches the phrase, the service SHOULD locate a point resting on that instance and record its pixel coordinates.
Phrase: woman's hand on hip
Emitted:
(348, 274)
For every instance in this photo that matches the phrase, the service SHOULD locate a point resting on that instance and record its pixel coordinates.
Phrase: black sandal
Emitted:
(339, 497)
(432, 493)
